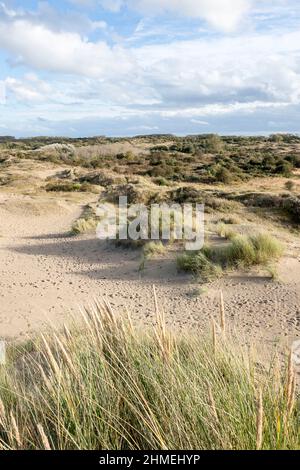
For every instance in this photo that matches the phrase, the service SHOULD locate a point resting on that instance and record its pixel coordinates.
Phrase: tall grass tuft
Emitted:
(108, 385)
(245, 251)
(199, 265)
(242, 251)
(259, 421)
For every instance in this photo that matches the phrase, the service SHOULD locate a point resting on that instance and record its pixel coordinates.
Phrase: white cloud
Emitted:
(240, 69)
(47, 16)
(65, 52)
(208, 74)
(214, 75)
(198, 121)
(29, 89)
(222, 14)
(221, 109)
(7, 11)
(2, 92)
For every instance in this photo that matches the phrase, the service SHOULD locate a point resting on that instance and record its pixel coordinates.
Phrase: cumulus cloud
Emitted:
(65, 52)
(221, 14)
(244, 69)
(250, 68)
(248, 72)
(30, 89)
(149, 82)
(2, 92)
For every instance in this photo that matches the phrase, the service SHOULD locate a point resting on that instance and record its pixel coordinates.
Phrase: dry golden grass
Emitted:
(108, 385)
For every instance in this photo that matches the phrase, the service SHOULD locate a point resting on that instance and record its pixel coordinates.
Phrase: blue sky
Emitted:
(127, 67)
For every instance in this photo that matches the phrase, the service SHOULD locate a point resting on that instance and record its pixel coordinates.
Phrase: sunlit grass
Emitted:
(108, 385)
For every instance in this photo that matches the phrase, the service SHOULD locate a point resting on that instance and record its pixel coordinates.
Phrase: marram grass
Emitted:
(109, 386)
(242, 251)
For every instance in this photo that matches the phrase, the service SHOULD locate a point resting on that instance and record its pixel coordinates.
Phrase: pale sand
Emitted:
(44, 274)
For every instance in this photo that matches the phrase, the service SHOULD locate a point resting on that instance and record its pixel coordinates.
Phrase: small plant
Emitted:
(273, 273)
(290, 185)
(225, 232)
(86, 223)
(151, 249)
(83, 226)
(197, 292)
(231, 220)
(199, 265)
(266, 247)
(161, 181)
(223, 175)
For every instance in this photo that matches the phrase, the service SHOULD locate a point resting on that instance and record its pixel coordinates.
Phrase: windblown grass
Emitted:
(199, 265)
(243, 251)
(110, 386)
(86, 223)
(246, 251)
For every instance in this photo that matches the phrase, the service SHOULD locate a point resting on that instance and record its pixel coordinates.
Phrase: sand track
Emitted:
(45, 274)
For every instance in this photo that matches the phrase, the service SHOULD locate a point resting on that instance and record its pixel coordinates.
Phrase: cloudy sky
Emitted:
(127, 67)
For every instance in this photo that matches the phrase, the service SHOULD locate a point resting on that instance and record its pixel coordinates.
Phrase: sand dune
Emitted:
(45, 274)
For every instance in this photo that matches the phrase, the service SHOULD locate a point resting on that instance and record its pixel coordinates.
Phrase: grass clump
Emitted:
(113, 387)
(231, 220)
(225, 232)
(86, 223)
(154, 248)
(290, 185)
(266, 247)
(199, 265)
(83, 226)
(150, 250)
(246, 251)
(243, 251)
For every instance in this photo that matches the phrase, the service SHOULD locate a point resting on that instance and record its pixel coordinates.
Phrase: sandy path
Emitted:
(44, 274)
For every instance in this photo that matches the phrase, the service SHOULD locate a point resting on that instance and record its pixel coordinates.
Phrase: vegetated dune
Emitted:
(44, 195)
(217, 371)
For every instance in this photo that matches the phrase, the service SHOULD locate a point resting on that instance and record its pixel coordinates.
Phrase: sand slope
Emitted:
(45, 274)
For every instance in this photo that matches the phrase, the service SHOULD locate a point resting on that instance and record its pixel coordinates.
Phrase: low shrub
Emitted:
(223, 175)
(68, 186)
(290, 185)
(231, 220)
(151, 249)
(161, 181)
